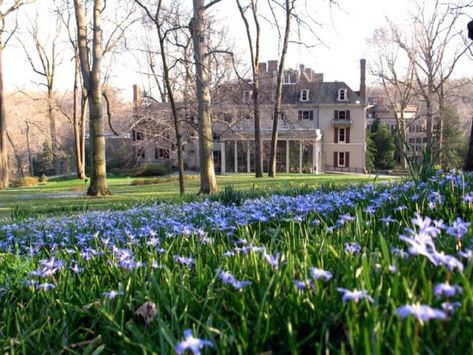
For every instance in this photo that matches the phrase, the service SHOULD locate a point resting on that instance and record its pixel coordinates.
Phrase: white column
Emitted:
(287, 156)
(315, 169)
(235, 160)
(300, 157)
(223, 158)
(248, 162)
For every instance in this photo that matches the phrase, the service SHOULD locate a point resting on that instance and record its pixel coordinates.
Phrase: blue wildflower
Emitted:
(229, 279)
(458, 229)
(191, 344)
(112, 294)
(318, 274)
(447, 290)
(421, 312)
(352, 248)
(354, 295)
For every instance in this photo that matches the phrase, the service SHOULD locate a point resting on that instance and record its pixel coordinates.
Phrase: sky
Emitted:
(345, 30)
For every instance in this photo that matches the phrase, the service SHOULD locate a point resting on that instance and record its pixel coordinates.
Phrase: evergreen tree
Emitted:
(370, 152)
(455, 145)
(43, 161)
(385, 148)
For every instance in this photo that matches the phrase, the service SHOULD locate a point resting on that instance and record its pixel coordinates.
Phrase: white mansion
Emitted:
(322, 126)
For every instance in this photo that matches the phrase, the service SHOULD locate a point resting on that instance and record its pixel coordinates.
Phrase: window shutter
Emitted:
(348, 114)
(336, 135)
(347, 159)
(347, 135)
(335, 159)
(335, 115)
(300, 115)
(311, 115)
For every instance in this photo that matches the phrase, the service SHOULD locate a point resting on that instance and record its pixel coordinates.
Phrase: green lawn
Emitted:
(68, 196)
(372, 269)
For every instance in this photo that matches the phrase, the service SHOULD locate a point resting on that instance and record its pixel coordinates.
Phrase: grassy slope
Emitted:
(69, 195)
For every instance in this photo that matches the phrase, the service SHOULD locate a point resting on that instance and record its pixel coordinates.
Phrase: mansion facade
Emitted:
(322, 126)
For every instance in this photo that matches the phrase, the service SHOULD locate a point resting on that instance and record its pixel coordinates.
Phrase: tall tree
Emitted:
(91, 76)
(397, 80)
(254, 45)
(288, 10)
(435, 46)
(159, 19)
(79, 94)
(45, 65)
(208, 182)
(6, 9)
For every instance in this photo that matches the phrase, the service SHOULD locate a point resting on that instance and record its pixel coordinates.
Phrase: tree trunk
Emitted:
(254, 54)
(469, 157)
(170, 93)
(208, 183)
(4, 176)
(277, 104)
(52, 128)
(19, 163)
(441, 126)
(28, 147)
(256, 112)
(403, 140)
(77, 124)
(98, 179)
(92, 82)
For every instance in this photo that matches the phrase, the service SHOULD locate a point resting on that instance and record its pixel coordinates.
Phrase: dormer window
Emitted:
(304, 95)
(342, 95)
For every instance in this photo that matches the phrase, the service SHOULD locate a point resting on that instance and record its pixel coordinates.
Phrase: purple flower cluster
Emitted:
(421, 240)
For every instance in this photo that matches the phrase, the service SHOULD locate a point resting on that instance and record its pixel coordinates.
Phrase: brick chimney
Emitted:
(262, 67)
(272, 66)
(363, 79)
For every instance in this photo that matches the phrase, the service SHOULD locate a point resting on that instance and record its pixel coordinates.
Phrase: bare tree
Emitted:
(159, 21)
(6, 10)
(254, 45)
(91, 76)
(208, 182)
(396, 75)
(45, 65)
(77, 117)
(435, 47)
(288, 10)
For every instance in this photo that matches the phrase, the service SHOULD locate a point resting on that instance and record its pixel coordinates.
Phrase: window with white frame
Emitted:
(342, 95)
(341, 161)
(342, 134)
(304, 95)
(342, 115)
(306, 115)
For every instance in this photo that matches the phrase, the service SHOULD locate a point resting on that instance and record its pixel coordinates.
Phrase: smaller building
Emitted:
(378, 108)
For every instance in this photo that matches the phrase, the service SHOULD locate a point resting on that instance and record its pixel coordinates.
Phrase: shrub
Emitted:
(138, 182)
(151, 169)
(27, 181)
